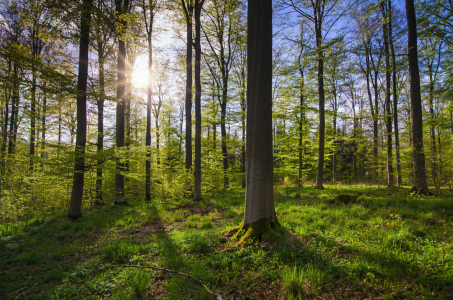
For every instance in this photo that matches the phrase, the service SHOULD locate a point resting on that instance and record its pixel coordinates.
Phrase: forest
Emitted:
(226, 149)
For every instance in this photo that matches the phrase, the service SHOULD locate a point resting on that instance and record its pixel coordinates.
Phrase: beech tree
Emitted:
(75, 205)
(259, 215)
(420, 185)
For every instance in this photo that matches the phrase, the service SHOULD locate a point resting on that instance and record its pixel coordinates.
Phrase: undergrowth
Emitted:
(386, 243)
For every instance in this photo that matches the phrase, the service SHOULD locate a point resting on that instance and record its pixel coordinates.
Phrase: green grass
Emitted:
(381, 245)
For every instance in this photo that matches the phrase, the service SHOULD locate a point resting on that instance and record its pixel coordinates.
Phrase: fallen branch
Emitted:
(215, 295)
(395, 292)
(21, 294)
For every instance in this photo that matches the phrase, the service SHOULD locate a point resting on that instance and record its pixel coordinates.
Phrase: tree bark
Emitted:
(198, 6)
(75, 205)
(322, 118)
(385, 15)
(100, 144)
(121, 7)
(420, 184)
(188, 11)
(259, 214)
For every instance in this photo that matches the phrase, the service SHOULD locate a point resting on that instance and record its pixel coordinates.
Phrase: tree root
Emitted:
(215, 295)
(418, 191)
(252, 231)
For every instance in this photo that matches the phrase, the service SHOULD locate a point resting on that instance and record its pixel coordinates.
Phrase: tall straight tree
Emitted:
(259, 215)
(385, 27)
(198, 6)
(188, 7)
(420, 185)
(103, 47)
(149, 10)
(75, 205)
(395, 94)
(122, 7)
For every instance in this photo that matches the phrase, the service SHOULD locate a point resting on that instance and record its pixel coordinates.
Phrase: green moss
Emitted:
(254, 231)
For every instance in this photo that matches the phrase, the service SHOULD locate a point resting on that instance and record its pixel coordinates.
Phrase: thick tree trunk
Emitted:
(198, 6)
(259, 213)
(75, 205)
(418, 154)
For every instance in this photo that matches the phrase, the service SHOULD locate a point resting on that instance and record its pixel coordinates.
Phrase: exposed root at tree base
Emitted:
(418, 191)
(251, 232)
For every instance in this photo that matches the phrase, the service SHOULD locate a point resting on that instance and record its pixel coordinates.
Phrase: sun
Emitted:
(140, 73)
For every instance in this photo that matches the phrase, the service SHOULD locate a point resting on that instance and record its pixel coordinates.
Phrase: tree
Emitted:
(75, 205)
(385, 10)
(188, 13)
(420, 185)
(122, 7)
(259, 215)
(152, 6)
(198, 7)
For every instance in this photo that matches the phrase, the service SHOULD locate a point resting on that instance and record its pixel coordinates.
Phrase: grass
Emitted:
(388, 243)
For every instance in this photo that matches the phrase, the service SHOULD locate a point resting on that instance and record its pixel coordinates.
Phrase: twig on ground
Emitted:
(215, 295)
(21, 294)
(395, 292)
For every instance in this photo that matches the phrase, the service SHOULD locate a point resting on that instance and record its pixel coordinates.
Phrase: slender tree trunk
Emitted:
(322, 118)
(301, 119)
(32, 119)
(395, 99)
(120, 108)
(431, 128)
(418, 155)
(198, 6)
(385, 15)
(148, 112)
(100, 145)
(14, 112)
(224, 134)
(43, 124)
(243, 115)
(259, 213)
(189, 14)
(75, 205)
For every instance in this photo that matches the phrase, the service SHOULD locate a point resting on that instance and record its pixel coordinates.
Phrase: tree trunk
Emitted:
(75, 205)
(431, 128)
(322, 118)
(301, 117)
(198, 6)
(33, 118)
(385, 15)
(122, 7)
(188, 10)
(43, 124)
(243, 115)
(148, 113)
(224, 135)
(395, 99)
(418, 155)
(100, 145)
(259, 213)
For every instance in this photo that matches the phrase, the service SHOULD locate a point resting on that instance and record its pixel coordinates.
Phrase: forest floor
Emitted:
(384, 244)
